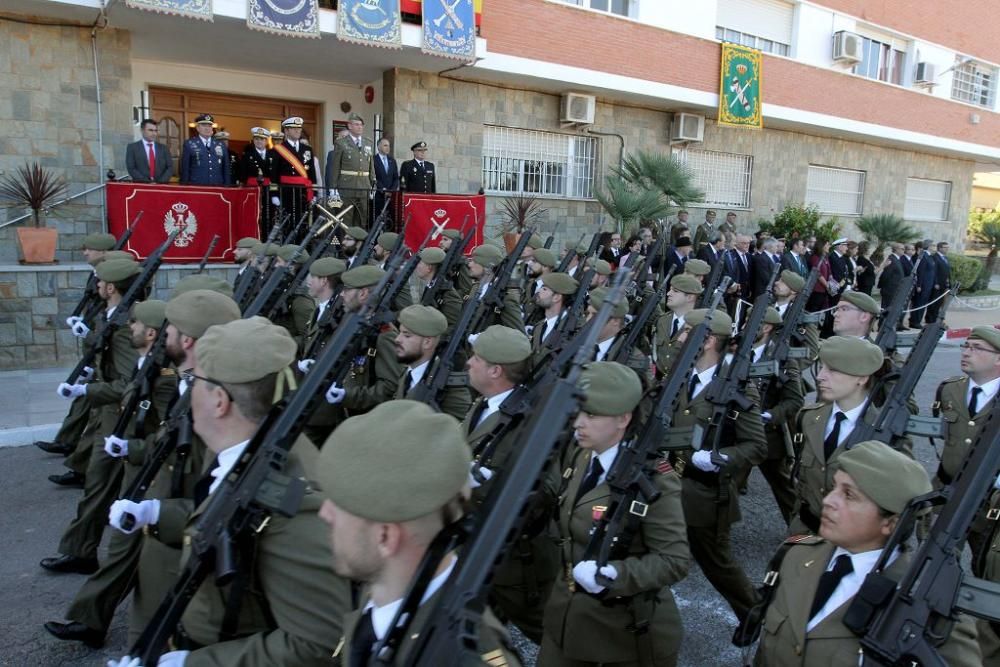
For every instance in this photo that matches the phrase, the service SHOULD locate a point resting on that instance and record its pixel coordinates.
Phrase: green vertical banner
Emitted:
(739, 88)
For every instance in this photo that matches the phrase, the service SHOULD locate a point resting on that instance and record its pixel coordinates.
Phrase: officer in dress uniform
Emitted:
(417, 175)
(256, 167)
(294, 170)
(222, 137)
(352, 172)
(204, 160)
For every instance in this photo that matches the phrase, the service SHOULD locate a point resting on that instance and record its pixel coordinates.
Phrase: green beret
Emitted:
(195, 311)
(247, 242)
(356, 469)
(388, 240)
(987, 334)
(889, 478)
(862, 301)
(597, 297)
(151, 312)
(201, 281)
(850, 355)
(794, 281)
(772, 316)
(244, 351)
(357, 233)
(545, 257)
(118, 254)
(271, 249)
(423, 320)
(687, 284)
(697, 267)
(536, 242)
(561, 283)
(721, 325)
(502, 345)
(327, 266)
(601, 267)
(611, 388)
(362, 276)
(293, 253)
(116, 270)
(98, 242)
(487, 256)
(453, 234)
(258, 248)
(432, 256)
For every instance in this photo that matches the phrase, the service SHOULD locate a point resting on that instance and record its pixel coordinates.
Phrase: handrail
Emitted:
(52, 206)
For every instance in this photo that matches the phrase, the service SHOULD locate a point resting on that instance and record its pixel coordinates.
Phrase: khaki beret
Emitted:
(721, 325)
(697, 267)
(610, 388)
(853, 356)
(545, 257)
(357, 233)
(453, 234)
(195, 311)
(271, 249)
(258, 248)
(487, 256)
(362, 276)
(432, 256)
(597, 297)
(293, 253)
(151, 312)
(889, 478)
(118, 254)
(98, 242)
(201, 281)
(247, 242)
(116, 270)
(357, 467)
(600, 266)
(423, 320)
(862, 301)
(771, 316)
(536, 242)
(244, 351)
(327, 266)
(989, 335)
(687, 284)
(561, 283)
(794, 281)
(388, 240)
(502, 345)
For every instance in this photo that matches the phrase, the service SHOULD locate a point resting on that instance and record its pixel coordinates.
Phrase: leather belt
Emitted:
(355, 173)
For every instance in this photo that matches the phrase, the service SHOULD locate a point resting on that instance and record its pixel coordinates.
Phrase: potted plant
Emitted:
(519, 212)
(34, 187)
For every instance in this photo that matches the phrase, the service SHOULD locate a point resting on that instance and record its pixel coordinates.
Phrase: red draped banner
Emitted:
(199, 212)
(435, 213)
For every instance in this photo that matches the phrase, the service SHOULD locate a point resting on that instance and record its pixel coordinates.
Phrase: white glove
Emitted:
(115, 446)
(305, 365)
(585, 574)
(87, 375)
(996, 484)
(72, 320)
(126, 661)
(275, 201)
(702, 460)
(80, 330)
(766, 416)
(485, 472)
(67, 390)
(173, 659)
(146, 513)
(335, 394)
(472, 338)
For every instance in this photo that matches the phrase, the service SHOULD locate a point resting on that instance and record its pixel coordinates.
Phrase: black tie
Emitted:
(363, 641)
(204, 484)
(315, 317)
(829, 581)
(832, 440)
(590, 481)
(674, 327)
(477, 413)
(407, 382)
(974, 400)
(692, 385)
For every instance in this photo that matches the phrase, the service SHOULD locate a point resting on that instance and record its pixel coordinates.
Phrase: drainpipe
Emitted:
(99, 24)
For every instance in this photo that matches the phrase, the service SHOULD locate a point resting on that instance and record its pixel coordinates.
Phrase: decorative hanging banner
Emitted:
(298, 18)
(450, 29)
(435, 213)
(412, 7)
(196, 9)
(371, 22)
(740, 90)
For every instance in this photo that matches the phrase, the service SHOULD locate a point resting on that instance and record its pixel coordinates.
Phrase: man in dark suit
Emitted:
(712, 251)
(147, 160)
(892, 274)
(677, 255)
(924, 284)
(762, 265)
(793, 260)
(205, 161)
(613, 249)
(417, 175)
(738, 268)
(907, 259)
(942, 280)
(386, 176)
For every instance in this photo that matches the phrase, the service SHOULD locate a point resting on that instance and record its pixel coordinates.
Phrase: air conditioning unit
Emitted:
(687, 127)
(577, 108)
(925, 74)
(847, 47)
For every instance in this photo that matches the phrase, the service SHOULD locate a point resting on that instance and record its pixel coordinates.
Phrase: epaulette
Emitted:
(167, 372)
(957, 378)
(663, 467)
(810, 540)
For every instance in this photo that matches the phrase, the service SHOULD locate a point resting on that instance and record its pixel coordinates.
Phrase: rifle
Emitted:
(497, 290)
(368, 245)
(255, 488)
(441, 279)
(204, 258)
(278, 283)
(451, 634)
(121, 314)
(887, 338)
(254, 276)
(637, 326)
(569, 322)
(90, 299)
(772, 365)
(551, 237)
(570, 254)
(713, 280)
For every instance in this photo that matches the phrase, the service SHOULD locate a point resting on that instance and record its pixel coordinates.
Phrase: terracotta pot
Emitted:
(38, 244)
(510, 240)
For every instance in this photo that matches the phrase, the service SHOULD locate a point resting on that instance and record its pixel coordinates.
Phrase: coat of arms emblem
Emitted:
(181, 218)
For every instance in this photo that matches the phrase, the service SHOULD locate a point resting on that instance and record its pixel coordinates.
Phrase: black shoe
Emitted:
(76, 632)
(54, 447)
(73, 564)
(71, 478)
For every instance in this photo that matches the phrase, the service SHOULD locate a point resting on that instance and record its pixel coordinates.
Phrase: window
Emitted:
(974, 83)
(725, 177)
(881, 62)
(548, 164)
(839, 191)
(760, 24)
(753, 41)
(620, 7)
(927, 199)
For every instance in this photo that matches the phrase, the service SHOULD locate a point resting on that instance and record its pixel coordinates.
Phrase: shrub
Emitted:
(964, 270)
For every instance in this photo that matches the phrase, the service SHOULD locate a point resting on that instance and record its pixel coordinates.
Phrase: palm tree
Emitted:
(629, 204)
(985, 228)
(661, 173)
(881, 229)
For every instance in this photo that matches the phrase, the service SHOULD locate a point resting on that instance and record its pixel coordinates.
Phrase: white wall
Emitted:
(692, 18)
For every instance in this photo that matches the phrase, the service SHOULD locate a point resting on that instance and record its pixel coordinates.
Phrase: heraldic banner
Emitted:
(436, 213)
(740, 102)
(450, 28)
(196, 9)
(371, 22)
(199, 212)
(298, 18)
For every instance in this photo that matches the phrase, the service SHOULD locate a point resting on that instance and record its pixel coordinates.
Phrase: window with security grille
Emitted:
(753, 41)
(974, 83)
(765, 25)
(835, 191)
(724, 177)
(549, 164)
(927, 199)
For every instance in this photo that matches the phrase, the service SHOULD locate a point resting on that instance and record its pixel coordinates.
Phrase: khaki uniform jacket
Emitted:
(593, 628)
(664, 348)
(783, 401)
(989, 638)
(456, 399)
(300, 312)
(373, 379)
(347, 157)
(635, 360)
(960, 426)
(509, 315)
(784, 642)
(292, 611)
(449, 303)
